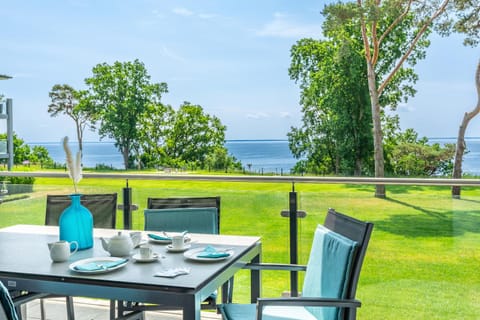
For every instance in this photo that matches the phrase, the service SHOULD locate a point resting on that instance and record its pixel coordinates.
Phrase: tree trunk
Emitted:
(377, 130)
(79, 137)
(125, 154)
(461, 145)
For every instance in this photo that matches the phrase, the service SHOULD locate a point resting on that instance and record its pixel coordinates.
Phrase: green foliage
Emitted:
(23, 152)
(336, 134)
(120, 95)
(411, 156)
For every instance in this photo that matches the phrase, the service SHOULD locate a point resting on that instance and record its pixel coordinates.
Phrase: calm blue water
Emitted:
(267, 155)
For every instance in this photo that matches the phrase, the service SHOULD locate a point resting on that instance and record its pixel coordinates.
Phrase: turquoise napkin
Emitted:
(211, 252)
(97, 266)
(156, 237)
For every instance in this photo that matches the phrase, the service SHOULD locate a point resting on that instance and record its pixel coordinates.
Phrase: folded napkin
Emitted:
(172, 273)
(211, 252)
(97, 266)
(157, 237)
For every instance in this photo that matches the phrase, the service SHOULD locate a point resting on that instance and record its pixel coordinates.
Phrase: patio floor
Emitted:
(92, 309)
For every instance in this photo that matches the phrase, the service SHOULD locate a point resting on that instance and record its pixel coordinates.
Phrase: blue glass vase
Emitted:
(76, 224)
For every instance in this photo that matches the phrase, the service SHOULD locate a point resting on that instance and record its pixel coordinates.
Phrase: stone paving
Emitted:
(93, 309)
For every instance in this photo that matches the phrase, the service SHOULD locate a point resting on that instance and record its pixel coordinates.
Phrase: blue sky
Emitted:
(230, 57)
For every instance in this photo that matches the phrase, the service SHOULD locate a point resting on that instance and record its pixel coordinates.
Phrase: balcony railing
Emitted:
(423, 250)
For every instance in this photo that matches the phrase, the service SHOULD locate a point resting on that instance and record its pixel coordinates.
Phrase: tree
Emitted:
(336, 134)
(468, 24)
(411, 156)
(120, 97)
(193, 136)
(153, 133)
(461, 144)
(23, 152)
(67, 100)
(39, 154)
(413, 21)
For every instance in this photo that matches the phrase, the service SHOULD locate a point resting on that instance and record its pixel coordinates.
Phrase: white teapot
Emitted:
(60, 250)
(120, 245)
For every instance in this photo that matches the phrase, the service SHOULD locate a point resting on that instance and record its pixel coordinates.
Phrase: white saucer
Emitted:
(185, 248)
(138, 258)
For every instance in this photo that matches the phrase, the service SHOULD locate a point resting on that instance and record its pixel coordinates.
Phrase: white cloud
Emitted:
(164, 51)
(257, 115)
(206, 15)
(183, 12)
(403, 107)
(189, 13)
(281, 26)
(285, 114)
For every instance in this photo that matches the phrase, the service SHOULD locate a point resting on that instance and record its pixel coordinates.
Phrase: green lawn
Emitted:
(423, 258)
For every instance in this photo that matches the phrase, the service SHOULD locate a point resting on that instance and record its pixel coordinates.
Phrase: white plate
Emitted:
(99, 261)
(138, 258)
(171, 249)
(187, 239)
(192, 255)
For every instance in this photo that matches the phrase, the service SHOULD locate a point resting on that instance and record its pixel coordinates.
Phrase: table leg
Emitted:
(191, 309)
(255, 280)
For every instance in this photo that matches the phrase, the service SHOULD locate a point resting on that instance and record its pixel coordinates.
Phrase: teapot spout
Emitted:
(104, 244)
(50, 245)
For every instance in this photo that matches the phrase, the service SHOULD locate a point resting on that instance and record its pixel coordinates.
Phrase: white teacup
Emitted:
(136, 237)
(146, 251)
(178, 242)
(60, 250)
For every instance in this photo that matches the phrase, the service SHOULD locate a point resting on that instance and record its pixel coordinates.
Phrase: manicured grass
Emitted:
(423, 257)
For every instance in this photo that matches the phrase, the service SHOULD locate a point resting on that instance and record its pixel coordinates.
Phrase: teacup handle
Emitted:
(76, 247)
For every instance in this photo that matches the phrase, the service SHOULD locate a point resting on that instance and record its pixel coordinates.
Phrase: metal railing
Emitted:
(292, 213)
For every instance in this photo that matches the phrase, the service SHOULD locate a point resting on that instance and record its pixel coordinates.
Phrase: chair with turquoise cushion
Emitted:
(195, 220)
(177, 214)
(7, 308)
(331, 277)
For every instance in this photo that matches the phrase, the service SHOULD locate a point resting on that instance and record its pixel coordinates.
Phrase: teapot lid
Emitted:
(120, 236)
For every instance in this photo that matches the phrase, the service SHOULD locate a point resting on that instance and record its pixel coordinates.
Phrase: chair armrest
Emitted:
(305, 301)
(275, 266)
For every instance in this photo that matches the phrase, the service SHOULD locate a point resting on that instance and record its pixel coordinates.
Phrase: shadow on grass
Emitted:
(394, 189)
(430, 223)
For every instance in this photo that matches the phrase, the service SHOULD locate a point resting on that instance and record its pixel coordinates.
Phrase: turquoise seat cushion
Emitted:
(7, 304)
(328, 269)
(248, 312)
(195, 220)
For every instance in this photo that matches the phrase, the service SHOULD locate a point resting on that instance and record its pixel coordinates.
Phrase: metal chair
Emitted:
(331, 277)
(195, 214)
(193, 202)
(7, 308)
(104, 211)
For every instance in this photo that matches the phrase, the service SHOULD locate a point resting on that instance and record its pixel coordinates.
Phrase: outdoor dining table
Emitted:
(25, 264)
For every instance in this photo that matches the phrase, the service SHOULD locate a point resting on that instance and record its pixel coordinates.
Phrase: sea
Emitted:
(262, 156)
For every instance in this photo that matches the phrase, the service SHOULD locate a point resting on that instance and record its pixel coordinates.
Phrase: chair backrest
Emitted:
(184, 202)
(102, 206)
(336, 258)
(7, 309)
(195, 220)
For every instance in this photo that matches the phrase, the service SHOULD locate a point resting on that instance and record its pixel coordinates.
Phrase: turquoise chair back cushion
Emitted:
(7, 303)
(328, 269)
(195, 220)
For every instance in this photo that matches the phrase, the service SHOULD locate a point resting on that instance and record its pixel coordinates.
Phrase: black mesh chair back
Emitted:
(358, 231)
(192, 202)
(102, 206)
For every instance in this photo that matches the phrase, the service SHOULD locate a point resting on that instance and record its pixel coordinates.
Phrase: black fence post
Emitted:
(127, 207)
(293, 240)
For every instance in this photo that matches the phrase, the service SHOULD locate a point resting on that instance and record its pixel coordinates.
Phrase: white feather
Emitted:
(74, 166)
